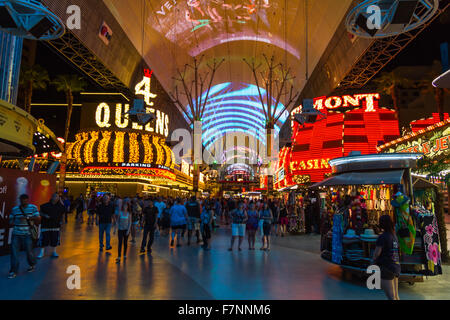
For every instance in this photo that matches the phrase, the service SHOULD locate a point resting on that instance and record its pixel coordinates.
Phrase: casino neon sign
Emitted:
(313, 164)
(120, 116)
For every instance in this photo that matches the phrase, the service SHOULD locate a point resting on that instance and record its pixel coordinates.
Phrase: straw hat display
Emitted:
(369, 236)
(350, 236)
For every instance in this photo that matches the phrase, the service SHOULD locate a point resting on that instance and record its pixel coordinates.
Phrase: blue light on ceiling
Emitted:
(236, 107)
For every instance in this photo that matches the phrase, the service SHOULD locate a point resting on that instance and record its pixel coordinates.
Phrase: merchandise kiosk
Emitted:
(363, 188)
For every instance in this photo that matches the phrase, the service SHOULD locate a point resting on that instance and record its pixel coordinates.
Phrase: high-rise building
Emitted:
(10, 56)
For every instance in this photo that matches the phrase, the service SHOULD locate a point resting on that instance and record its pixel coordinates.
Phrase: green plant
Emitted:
(389, 83)
(32, 78)
(68, 84)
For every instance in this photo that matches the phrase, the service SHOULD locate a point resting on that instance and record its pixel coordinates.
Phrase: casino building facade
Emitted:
(352, 123)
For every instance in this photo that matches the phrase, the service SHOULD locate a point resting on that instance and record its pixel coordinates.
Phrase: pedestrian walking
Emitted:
(239, 219)
(136, 211)
(123, 229)
(80, 207)
(22, 219)
(387, 257)
(150, 218)
(252, 226)
(52, 215)
(267, 217)
(91, 207)
(284, 221)
(207, 217)
(105, 219)
(67, 206)
(194, 212)
(178, 221)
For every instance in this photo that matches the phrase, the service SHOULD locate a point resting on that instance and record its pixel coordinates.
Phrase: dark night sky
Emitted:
(55, 116)
(422, 51)
(426, 47)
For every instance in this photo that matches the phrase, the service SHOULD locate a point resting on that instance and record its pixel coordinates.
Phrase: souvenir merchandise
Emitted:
(405, 227)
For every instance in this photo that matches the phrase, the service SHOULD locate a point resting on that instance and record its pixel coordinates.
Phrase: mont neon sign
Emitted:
(366, 100)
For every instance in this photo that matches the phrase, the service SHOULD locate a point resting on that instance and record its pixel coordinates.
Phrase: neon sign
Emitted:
(346, 101)
(315, 164)
(144, 88)
(429, 148)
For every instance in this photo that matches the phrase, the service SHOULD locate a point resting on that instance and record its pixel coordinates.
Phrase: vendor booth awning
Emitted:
(443, 81)
(363, 178)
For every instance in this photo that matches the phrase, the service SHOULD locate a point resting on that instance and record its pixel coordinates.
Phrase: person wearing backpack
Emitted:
(23, 219)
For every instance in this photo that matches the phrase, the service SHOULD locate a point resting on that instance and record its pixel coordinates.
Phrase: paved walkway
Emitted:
(292, 270)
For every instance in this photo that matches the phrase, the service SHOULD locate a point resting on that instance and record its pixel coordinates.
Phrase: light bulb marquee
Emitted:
(108, 116)
(119, 152)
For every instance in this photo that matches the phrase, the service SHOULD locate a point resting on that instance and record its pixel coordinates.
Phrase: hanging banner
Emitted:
(14, 183)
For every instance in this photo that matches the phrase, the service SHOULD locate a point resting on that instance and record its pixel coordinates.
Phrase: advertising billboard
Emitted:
(14, 183)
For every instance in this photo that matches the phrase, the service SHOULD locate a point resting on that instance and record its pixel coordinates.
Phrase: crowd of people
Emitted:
(173, 217)
(183, 220)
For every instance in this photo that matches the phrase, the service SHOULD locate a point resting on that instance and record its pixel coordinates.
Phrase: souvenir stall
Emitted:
(362, 189)
(429, 137)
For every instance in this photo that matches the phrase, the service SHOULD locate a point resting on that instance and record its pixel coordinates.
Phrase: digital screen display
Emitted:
(198, 25)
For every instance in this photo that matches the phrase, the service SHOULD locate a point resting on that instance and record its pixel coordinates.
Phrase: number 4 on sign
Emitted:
(143, 88)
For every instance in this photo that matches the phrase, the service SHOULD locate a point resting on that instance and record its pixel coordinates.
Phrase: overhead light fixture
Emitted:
(309, 114)
(41, 28)
(361, 22)
(405, 11)
(139, 113)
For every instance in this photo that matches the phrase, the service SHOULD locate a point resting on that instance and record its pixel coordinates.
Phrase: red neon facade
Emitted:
(353, 123)
(425, 123)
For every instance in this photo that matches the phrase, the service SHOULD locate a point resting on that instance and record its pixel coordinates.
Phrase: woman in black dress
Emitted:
(386, 256)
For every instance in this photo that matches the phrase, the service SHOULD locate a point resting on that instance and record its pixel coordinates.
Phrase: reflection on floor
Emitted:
(292, 270)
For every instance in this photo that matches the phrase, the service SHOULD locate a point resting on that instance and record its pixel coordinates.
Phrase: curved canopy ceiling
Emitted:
(235, 107)
(170, 33)
(177, 30)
